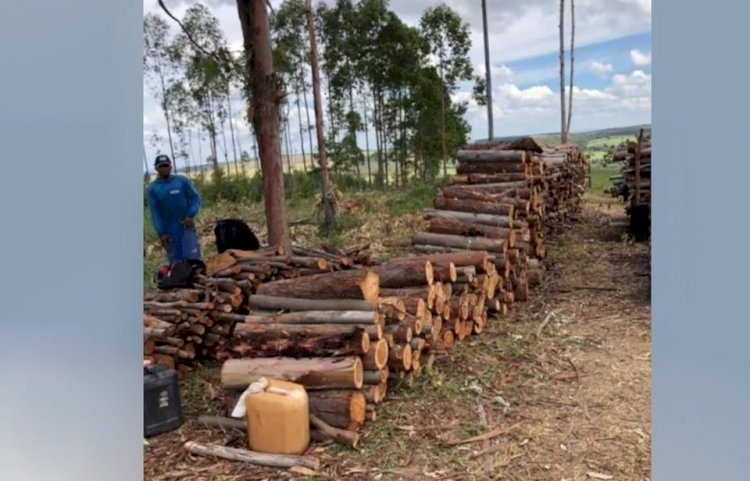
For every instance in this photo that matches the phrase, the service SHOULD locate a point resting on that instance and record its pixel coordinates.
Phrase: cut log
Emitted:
(469, 205)
(303, 340)
(318, 317)
(376, 357)
(347, 284)
(404, 272)
(490, 168)
(343, 409)
(375, 377)
(399, 357)
(312, 373)
(460, 242)
(477, 179)
(476, 218)
(299, 304)
(468, 229)
(499, 156)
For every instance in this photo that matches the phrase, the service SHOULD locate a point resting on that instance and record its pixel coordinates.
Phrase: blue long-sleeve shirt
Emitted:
(170, 201)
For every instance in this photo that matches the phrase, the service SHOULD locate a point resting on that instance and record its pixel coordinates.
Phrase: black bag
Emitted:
(179, 275)
(234, 234)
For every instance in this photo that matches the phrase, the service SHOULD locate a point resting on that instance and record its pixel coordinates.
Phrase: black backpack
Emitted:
(181, 274)
(234, 234)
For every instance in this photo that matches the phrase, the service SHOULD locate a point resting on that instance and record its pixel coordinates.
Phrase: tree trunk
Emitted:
(231, 131)
(488, 72)
(257, 39)
(563, 133)
(309, 125)
(312, 373)
(442, 123)
(349, 284)
(490, 168)
(328, 207)
(572, 46)
(301, 131)
(167, 117)
(367, 140)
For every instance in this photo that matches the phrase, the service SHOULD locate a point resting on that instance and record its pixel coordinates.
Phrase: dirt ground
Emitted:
(564, 383)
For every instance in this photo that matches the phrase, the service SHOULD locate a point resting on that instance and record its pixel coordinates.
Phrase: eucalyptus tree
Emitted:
(448, 40)
(159, 66)
(289, 30)
(202, 49)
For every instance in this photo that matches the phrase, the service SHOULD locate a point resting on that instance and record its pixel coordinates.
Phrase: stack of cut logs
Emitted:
(348, 330)
(185, 324)
(346, 336)
(633, 184)
(504, 198)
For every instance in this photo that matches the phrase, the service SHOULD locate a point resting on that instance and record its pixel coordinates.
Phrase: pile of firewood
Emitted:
(505, 197)
(347, 336)
(181, 325)
(633, 184)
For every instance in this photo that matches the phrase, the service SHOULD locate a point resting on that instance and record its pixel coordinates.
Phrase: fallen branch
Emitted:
(246, 456)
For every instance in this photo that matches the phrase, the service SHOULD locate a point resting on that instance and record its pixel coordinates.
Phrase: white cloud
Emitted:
(639, 58)
(626, 100)
(601, 69)
(518, 29)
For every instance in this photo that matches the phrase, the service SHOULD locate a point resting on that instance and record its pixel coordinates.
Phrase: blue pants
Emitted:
(183, 245)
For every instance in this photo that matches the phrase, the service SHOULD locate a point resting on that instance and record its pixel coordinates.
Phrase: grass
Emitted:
(600, 179)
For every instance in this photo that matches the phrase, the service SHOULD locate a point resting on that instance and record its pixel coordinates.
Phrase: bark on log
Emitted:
(343, 409)
(478, 179)
(460, 242)
(246, 456)
(404, 272)
(317, 317)
(299, 304)
(442, 202)
(312, 373)
(476, 218)
(348, 284)
(469, 229)
(303, 340)
(490, 168)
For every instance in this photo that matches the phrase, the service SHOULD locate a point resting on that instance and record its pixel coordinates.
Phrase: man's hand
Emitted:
(188, 223)
(164, 241)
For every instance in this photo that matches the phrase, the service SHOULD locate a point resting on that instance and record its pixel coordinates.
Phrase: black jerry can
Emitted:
(162, 409)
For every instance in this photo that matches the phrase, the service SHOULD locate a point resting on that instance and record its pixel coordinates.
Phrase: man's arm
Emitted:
(194, 198)
(155, 219)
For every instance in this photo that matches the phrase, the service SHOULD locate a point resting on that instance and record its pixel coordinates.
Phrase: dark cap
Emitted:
(162, 159)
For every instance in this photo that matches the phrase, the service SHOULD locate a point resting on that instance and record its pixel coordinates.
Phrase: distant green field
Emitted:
(608, 142)
(600, 179)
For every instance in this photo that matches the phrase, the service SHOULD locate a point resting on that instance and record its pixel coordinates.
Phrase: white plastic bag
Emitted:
(241, 407)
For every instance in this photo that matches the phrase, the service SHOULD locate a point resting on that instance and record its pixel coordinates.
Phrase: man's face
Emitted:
(164, 170)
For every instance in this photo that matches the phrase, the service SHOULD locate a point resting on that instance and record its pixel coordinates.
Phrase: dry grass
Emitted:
(578, 394)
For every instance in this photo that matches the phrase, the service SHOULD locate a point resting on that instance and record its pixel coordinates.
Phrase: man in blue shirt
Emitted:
(174, 202)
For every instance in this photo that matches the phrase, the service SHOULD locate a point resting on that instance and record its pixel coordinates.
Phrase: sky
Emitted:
(612, 68)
